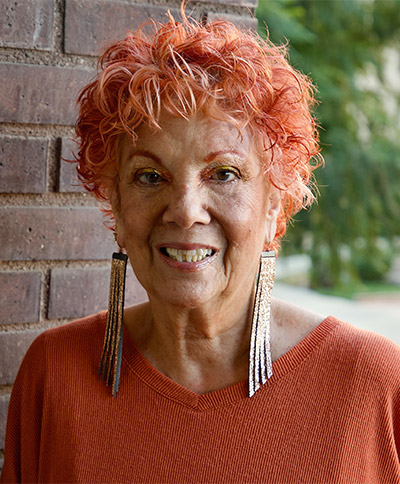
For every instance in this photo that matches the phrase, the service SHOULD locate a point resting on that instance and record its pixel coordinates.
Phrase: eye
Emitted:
(225, 174)
(148, 176)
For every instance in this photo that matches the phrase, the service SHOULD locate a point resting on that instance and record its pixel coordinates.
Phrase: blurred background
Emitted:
(341, 258)
(347, 248)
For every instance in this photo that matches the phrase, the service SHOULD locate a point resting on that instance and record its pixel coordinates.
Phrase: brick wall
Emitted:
(54, 250)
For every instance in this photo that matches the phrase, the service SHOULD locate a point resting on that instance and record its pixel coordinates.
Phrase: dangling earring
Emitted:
(110, 362)
(260, 361)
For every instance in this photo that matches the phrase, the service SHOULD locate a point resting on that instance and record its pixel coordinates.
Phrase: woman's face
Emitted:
(195, 210)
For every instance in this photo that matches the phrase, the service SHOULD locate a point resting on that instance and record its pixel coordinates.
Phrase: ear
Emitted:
(273, 209)
(115, 201)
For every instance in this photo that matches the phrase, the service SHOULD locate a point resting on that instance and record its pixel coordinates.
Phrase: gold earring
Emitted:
(110, 362)
(260, 361)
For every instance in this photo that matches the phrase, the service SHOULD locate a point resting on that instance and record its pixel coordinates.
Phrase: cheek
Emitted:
(245, 215)
(247, 208)
(133, 220)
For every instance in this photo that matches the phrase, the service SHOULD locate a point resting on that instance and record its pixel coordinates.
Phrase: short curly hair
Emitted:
(185, 67)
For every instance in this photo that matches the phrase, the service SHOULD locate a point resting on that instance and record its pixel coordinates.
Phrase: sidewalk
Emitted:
(380, 316)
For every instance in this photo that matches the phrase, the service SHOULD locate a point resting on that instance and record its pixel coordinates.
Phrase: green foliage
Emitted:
(342, 46)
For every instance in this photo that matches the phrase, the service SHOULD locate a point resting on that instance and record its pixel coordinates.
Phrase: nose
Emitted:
(186, 206)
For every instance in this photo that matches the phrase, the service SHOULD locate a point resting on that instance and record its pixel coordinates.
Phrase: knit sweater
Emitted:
(329, 414)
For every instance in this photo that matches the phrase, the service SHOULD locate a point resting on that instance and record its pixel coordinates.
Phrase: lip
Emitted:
(183, 246)
(186, 266)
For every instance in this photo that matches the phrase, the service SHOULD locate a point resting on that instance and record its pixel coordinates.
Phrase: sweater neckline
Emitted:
(145, 371)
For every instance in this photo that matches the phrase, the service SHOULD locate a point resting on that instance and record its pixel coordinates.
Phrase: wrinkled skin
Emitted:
(202, 185)
(198, 185)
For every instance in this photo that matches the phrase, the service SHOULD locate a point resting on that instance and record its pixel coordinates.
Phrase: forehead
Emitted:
(198, 136)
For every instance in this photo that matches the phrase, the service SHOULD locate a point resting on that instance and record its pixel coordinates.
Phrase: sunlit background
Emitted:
(348, 246)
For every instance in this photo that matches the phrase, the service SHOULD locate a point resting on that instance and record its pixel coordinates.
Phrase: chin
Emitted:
(183, 299)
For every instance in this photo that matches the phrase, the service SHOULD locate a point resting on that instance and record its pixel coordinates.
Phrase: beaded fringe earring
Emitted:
(110, 363)
(260, 361)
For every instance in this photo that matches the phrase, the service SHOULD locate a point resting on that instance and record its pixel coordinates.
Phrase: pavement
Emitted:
(378, 313)
(381, 316)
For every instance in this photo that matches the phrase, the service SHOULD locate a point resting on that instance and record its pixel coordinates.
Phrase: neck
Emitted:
(204, 348)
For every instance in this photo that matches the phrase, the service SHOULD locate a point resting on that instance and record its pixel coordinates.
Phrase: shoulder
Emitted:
(74, 333)
(83, 327)
(367, 343)
(368, 356)
(78, 342)
(59, 359)
(351, 351)
(290, 325)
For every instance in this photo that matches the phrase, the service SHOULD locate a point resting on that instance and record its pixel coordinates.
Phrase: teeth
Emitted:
(188, 255)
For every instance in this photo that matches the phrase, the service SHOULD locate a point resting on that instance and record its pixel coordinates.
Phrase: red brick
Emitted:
(238, 20)
(90, 25)
(4, 401)
(40, 94)
(68, 177)
(19, 296)
(14, 345)
(27, 23)
(23, 164)
(75, 293)
(54, 233)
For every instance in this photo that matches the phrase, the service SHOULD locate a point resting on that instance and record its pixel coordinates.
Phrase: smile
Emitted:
(181, 255)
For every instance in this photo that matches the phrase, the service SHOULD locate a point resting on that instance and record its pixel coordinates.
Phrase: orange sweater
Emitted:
(329, 414)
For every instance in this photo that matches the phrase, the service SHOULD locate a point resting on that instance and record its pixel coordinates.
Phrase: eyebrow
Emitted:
(209, 158)
(148, 154)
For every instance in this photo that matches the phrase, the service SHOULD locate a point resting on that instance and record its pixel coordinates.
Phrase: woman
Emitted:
(201, 141)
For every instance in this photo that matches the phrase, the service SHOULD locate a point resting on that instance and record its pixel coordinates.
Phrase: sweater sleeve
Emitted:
(22, 445)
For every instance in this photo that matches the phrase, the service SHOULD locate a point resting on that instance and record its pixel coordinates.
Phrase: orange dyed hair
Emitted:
(185, 67)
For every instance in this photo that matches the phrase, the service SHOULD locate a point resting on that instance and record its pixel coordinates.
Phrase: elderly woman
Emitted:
(200, 140)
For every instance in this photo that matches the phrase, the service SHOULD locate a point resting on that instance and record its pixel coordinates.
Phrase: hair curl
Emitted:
(185, 67)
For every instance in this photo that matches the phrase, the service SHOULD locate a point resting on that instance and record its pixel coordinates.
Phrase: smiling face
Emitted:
(194, 210)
